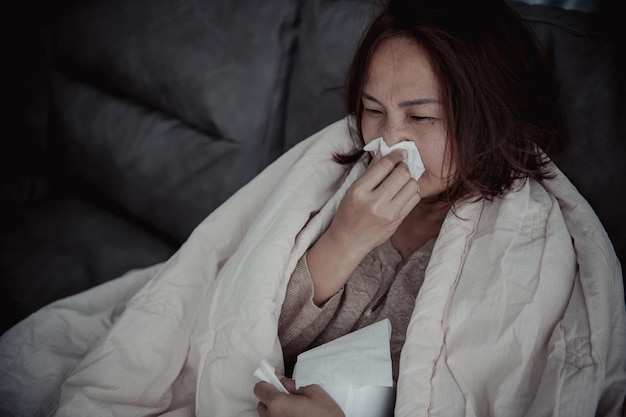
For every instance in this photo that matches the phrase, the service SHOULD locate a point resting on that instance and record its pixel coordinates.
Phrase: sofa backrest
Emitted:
(167, 107)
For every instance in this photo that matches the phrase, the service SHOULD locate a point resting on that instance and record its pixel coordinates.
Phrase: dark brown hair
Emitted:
(499, 93)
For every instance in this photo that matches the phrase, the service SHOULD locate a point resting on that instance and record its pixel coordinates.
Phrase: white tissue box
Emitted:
(354, 369)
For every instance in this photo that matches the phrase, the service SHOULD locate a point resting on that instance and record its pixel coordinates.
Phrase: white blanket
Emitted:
(521, 312)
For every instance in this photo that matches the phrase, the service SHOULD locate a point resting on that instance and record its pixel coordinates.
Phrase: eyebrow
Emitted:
(409, 103)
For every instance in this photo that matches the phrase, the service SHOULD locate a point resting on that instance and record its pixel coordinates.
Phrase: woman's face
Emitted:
(401, 102)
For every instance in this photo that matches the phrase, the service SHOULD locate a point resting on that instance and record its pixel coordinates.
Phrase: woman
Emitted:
(503, 290)
(468, 84)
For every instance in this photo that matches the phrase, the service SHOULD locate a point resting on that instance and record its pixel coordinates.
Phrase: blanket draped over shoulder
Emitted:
(521, 312)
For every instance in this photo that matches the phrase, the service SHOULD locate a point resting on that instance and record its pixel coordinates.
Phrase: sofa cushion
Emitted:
(156, 167)
(68, 245)
(166, 107)
(329, 33)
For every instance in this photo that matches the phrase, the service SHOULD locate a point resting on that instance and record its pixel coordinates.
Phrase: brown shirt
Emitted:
(382, 286)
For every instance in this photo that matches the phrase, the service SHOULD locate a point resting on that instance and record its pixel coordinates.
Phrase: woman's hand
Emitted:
(376, 204)
(369, 214)
(309, 401)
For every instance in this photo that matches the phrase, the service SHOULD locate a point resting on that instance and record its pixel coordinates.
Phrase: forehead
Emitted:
(401, 64)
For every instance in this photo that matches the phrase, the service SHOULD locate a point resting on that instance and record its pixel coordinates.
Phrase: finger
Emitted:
(261, 409)
(320, 397)
(311, 390)
(388, 161)
(289, 384)
(377, 156)
(379, 170)
(394, 182)
(408, 197)
(265, 391)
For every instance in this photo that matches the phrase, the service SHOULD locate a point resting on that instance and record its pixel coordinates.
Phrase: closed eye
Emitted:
(422, 118)
(373, 111)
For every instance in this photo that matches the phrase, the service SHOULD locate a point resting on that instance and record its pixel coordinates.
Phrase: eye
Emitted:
(374, 112)
(422, 119)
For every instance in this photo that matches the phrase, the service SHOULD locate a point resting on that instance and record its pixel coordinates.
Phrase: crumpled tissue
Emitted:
(413, 158)
(266, 372)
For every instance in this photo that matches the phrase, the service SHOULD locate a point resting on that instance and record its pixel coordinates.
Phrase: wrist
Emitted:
(351, 246)
(331, 261)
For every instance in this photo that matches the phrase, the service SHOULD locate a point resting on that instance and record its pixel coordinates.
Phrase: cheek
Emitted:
(448, 163)
(369, 130)
(435, 178)
(435, 157)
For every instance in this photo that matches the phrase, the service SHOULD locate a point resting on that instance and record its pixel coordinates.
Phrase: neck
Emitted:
(421, 225)
(430, 212)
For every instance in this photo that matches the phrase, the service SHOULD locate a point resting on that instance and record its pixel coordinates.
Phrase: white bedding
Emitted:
(521, 312)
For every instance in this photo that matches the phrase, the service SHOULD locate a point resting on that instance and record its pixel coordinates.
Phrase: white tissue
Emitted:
(413, 158)
(354, 369)
(266, 372)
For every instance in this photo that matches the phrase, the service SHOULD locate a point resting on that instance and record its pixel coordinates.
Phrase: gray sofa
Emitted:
(130, 121)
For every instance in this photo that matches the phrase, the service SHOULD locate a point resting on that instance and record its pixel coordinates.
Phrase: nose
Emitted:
(395, 131)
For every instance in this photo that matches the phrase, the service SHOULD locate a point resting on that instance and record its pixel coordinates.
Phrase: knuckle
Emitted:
(388, 217)
(384, 215)
(357, 194)
(376, 208)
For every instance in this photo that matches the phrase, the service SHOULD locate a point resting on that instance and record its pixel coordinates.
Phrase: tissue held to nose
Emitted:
(413, 158)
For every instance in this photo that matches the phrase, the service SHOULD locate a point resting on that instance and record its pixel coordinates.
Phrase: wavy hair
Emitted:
(500, 95)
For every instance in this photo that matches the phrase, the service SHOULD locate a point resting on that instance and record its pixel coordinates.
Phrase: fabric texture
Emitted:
(382, 286)
(521, 311)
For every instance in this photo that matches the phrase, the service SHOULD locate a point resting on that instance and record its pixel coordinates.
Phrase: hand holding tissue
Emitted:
(266, 372)
(413, 158)
(355, 370)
